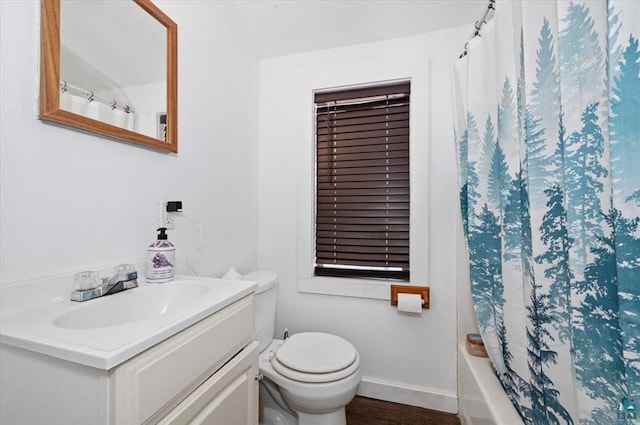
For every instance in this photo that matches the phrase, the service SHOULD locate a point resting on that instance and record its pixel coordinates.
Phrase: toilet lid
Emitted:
(318, 378)
(315, 352)
(316, 357)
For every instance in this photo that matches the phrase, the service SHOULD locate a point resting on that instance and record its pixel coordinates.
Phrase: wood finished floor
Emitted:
(367, 411)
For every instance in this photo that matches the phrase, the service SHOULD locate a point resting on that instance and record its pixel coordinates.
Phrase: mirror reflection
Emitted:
(112, 65)
(109, 67)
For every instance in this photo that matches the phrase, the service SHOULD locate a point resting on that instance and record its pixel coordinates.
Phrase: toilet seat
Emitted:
(316, 357)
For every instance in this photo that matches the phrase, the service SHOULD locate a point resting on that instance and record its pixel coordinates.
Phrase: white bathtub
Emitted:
(482, 400)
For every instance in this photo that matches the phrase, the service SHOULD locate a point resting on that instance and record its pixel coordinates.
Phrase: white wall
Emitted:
(406, 359)
(70, 200)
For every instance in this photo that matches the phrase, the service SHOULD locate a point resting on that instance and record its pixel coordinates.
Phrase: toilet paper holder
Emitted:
(423, 291)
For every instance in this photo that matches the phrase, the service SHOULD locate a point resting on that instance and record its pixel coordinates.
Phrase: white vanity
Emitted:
(177, 353)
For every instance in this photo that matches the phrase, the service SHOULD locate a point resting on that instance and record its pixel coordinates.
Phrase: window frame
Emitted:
(414, 69)
(368, 100)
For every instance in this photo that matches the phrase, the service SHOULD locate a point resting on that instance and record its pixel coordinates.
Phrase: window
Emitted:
(362, 182)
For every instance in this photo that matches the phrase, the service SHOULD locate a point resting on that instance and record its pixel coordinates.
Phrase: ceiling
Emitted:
(276, 28)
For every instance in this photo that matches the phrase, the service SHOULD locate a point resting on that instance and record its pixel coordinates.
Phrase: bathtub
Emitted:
(482, 401)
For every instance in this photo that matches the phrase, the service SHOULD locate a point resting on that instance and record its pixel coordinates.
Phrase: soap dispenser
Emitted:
(161, 259)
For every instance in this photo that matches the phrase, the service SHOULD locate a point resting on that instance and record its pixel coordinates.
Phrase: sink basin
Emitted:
(104, 332)
(132, 305)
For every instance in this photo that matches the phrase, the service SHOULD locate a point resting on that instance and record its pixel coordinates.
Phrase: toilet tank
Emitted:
(265, 305)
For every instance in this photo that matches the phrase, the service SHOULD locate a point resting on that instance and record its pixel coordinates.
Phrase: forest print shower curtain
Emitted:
(548, 137)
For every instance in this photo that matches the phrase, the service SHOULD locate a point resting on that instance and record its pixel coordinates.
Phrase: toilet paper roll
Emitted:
(410, 303)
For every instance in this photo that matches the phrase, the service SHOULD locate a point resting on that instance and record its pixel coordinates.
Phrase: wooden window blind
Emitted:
(362, 192)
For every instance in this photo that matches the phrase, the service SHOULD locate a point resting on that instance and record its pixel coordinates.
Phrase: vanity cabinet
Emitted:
(206, 371)
(227, 397)
(203, 374)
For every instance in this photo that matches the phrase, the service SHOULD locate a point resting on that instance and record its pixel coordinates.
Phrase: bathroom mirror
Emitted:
(110, 68)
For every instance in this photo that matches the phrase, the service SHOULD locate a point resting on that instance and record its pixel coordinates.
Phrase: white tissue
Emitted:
(410, 303)
(232, 274)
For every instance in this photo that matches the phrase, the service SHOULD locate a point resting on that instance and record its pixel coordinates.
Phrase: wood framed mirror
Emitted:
(110, 68)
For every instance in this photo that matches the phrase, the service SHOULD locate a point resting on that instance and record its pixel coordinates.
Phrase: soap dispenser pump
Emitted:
(161, 259)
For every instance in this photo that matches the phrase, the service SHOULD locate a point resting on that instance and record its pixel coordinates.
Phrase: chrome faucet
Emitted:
(125, 277)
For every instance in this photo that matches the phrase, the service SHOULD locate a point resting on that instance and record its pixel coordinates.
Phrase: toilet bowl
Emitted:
(313, 375)
(315, 378)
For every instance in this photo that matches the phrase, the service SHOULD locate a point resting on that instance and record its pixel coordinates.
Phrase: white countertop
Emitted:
(31, 326)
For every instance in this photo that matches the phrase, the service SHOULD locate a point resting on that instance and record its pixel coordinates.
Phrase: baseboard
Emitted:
(406, 394)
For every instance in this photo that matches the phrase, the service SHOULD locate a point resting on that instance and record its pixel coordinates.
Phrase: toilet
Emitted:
(308, 378)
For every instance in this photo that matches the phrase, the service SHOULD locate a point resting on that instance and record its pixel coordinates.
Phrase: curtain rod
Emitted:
(478, 26)
(113, 104)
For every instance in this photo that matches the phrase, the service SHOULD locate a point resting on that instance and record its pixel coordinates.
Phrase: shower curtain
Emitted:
(547, 126)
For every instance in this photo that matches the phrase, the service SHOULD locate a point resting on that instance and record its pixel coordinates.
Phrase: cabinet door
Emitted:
(154, 382)
(228, 397)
